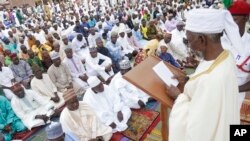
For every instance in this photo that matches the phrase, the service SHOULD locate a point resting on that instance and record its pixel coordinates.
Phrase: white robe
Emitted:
(61, 77)
(168, 45)
(46, 89)
(125, 44)
(92, 38)
(179, 49)
(106, 105)
(242, 77)
(76, 70)
(94, 68)
(40, 37)
(84, 124)
(81, 52)
(6, 76)
(27, 112)
(209, 103)
(129, 94)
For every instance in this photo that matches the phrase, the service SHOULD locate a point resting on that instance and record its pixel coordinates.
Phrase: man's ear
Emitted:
(202, 39)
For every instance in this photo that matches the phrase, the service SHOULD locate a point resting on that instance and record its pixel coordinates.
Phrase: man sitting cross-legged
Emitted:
(60, 75)
(107, 105)
(76, 67)
(30, 107)
(80, 120)
(43, 85)
(130, 95)
(99, 65)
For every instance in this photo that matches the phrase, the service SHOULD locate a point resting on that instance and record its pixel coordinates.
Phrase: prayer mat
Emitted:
(245, 112)
(26, 134)
(154, 136)
(141, 123)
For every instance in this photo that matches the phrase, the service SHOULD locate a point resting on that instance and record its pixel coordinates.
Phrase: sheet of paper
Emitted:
(165, 74)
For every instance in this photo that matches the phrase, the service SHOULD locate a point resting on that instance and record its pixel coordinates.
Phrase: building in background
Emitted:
(12, 3)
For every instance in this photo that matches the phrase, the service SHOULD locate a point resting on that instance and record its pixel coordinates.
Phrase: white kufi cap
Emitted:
(212, 21)
(93, 81)
(54, 130)
(125, 64)
(54, 55)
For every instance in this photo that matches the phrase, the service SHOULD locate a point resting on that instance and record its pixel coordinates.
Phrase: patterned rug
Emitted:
(26, 134)
(245, 112)
(141, 123)
(154, 136)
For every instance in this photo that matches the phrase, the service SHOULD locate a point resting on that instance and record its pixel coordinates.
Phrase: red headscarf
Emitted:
(240, 7)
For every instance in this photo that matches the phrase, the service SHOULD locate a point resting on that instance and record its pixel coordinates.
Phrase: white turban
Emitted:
(93, 81)
(124, 64)
(54, 55)
(54, 130)
(211, 21)
(122, 30)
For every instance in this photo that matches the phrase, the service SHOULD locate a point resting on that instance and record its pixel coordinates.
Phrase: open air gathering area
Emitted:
(124, 70)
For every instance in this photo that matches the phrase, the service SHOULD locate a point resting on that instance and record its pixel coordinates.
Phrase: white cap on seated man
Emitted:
(107, 105)
(132, 96)
(79, 120)
(55, 132)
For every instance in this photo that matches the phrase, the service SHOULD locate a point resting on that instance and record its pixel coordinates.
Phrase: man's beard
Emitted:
(199, 55)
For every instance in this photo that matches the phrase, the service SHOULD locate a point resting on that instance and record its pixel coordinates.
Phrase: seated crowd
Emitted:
(76, 72)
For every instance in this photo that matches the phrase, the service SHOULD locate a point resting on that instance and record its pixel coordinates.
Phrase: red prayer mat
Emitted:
(245, 112)
(141, 123)
(26, 134)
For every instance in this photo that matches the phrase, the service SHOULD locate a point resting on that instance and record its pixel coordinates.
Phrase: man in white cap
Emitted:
(107, 23)
(58, 49)
(43, 85)
(211, 93)
(60, 75)
(55, 28)
(55, 132)
(76, 67)
(116, 27)
(135, 18)
(80, 120)
(30, 107)
(170, 23)
(79, 46)
(122, 39)
(166, 41)
(99, 65)
(179, 48)
(115, 49)
(65, 43)
(132, 96)
(132, 41)
(107, 105)
(92, 37)
(159, 23)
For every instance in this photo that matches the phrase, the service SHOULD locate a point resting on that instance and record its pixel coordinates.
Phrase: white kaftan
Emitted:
(29, 106)
(209, 103)
(129, 94)
(46, 89)
(84, 124)
(106, 105)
